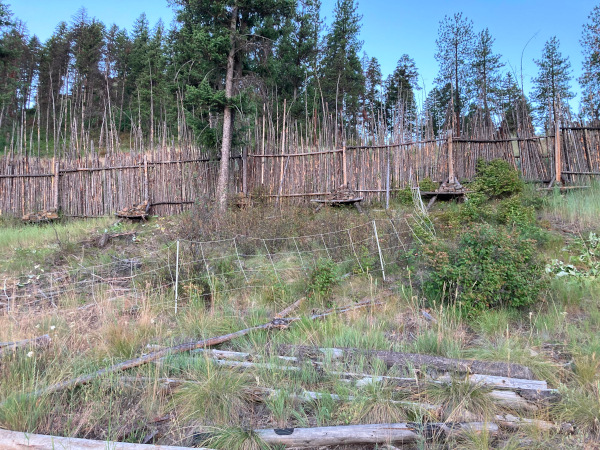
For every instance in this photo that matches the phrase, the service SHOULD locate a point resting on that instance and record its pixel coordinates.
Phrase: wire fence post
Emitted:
(239, 260)
(379, 250)
(176, 276)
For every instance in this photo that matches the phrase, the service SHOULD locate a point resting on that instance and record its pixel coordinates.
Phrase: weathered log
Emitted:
(513, 422)
(495, 368)
(534, 391)
(186, 347)
(6, 347)
(15, 440)
(370, 434)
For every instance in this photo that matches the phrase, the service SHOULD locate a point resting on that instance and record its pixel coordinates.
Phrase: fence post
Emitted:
(245, 171)
(451, 176)
(557, 158)
(146, 182)
(387, 181)
(344, 169)
(177, 277)
(379, 250)
(56, 183)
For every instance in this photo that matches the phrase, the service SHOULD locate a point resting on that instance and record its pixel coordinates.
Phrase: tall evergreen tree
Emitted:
(455, 44)
(224, 36)
(487, 76)
(551, 88)
(436, 107)
(590, 78)
(372, 94)
(342, 79)
(295, 56)
(400, 89)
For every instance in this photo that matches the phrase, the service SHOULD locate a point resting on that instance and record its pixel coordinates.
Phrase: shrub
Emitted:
(323, 277)
(513, 211)
(490, 267)
(428, 185)
(496, 179)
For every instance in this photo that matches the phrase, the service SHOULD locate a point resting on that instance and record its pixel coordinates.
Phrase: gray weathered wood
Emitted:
(369, 434)
(15, 440)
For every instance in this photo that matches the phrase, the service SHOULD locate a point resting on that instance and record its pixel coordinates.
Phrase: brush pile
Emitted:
(139, 211)
(41, 216)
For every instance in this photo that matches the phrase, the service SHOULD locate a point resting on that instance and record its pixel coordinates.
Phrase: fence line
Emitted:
(191, 271)
(172, 178)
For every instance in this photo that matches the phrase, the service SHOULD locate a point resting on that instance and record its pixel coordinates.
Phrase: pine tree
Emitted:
(486, 68)
(455, 44)
(436, 107)
(400, 89)
(590, 79)
(225, 37)
(342, 79)
(551, 88)
(509, 95)
(371, 103)
(293, 64)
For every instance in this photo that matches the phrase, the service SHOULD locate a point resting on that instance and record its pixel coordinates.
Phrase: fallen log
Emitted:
(531, 390)
(507, 399)
(6, 347)
(185, 347)
(15, 440)
(370, 434)
(467, 366)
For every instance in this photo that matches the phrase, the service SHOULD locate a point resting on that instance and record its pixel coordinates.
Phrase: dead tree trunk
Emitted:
(227, 117)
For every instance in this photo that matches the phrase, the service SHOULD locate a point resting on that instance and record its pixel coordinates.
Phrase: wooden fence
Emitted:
(174, 178)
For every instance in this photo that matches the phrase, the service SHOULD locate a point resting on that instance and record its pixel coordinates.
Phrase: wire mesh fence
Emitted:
(200, 270)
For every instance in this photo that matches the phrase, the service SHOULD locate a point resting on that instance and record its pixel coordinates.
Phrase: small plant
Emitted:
(323, 277)
(428, 185)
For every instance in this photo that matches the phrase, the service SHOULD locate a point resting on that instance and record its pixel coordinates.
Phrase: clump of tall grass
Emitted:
(579, 208)
(213, 395)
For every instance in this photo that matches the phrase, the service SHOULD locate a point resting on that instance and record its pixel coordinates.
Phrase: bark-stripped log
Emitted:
(370, 434)
(15, 440)
(495, 368)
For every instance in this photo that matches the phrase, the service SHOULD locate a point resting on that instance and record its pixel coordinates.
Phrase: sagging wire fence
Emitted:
(201, 272)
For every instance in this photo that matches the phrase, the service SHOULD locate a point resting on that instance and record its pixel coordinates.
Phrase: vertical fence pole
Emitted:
(245, 171)
(56, 184)
(387, 181)
(557, 161)
(451, 176)
(177, 277)
(344, 169)
(379, 250)
(146, 182)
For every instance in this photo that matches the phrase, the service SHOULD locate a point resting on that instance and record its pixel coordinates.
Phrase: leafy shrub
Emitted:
(323, 277)
(490, 267)
(428, 185)
(513, 211)
(496, 179)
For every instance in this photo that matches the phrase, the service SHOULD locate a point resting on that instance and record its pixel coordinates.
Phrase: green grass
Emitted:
(578, 208)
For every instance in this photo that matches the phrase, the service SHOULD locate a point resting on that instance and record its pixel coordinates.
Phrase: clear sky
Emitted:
(389, 28)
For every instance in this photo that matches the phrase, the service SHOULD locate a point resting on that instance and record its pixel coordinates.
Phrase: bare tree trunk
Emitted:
(227, 118)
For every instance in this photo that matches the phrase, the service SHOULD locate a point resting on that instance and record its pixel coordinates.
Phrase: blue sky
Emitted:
(389, 28)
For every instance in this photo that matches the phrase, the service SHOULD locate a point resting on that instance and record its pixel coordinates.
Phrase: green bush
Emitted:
(513, 211)
(323, 277)
(428, 185)
(496, 179)
(489, 267)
